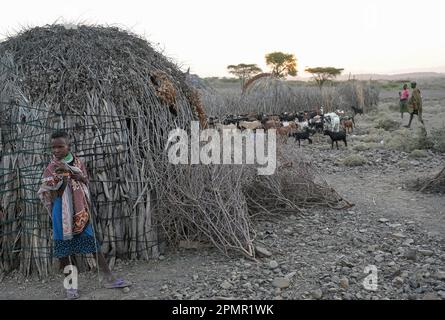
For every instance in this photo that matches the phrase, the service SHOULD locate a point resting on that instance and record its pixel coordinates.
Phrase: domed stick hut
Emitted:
(118, 98)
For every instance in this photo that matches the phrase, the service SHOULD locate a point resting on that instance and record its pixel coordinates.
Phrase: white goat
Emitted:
(332, 122)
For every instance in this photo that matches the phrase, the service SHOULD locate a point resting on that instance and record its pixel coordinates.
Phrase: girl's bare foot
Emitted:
(72, 294)
(118, 283)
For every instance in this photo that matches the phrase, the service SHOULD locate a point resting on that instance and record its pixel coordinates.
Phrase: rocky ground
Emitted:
(320, 254)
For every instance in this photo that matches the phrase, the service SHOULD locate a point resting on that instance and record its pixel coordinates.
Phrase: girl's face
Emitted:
(60, 148)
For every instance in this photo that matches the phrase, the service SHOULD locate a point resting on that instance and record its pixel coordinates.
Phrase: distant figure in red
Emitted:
(404, 95)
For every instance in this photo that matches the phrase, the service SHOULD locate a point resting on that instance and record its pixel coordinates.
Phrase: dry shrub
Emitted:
(387, 124)
(438, 139)
(366, 146)
(354, 160)
(295, 185)
(371, 138)
(404, 164)
(361, 147)
(407, 141)
(417, 154)
(394, 108)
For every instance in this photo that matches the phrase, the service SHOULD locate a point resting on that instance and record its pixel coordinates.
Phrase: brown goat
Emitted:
(348, 125)
(272, 124)
(284, 132)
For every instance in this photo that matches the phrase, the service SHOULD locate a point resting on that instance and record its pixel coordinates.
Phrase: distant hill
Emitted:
(400, 76)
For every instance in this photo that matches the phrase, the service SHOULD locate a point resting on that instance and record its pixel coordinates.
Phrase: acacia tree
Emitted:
(283, 64)
(323, 74)
(243, 71)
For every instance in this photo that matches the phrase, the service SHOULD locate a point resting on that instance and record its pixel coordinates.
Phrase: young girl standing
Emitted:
(65, 194)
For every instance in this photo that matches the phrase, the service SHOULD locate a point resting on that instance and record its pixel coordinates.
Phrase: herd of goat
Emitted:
(299, 125)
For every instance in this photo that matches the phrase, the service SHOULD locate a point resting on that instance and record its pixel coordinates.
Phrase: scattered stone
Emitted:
(288, 231)
(273, 264)
(427, 253)
(344, 283)
(399, 235)
(408, 242)
(161, 257)
(398, 282)
(317, 294)
(440, 275)
(431, 296)
(411, 254)
(281, 283)
(226, 285)
(346, 263)
(383, 220)
(126, 290)
(262, 251)
(379, 259)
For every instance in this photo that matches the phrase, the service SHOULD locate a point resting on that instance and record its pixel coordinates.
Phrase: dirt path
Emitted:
(384, 194)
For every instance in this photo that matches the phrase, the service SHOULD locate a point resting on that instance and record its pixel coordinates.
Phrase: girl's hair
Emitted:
(60, 134)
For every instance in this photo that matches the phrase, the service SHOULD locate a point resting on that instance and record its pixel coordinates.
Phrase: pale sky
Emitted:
(379, 36)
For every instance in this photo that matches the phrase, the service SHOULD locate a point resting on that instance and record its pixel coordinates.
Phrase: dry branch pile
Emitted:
(296, 185)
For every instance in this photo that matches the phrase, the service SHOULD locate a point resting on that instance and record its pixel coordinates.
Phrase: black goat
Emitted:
(288, 116)
(231, 119)
(336, 137)
(305, 135)
(318, 126)
(357, 110)
(300, 117)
